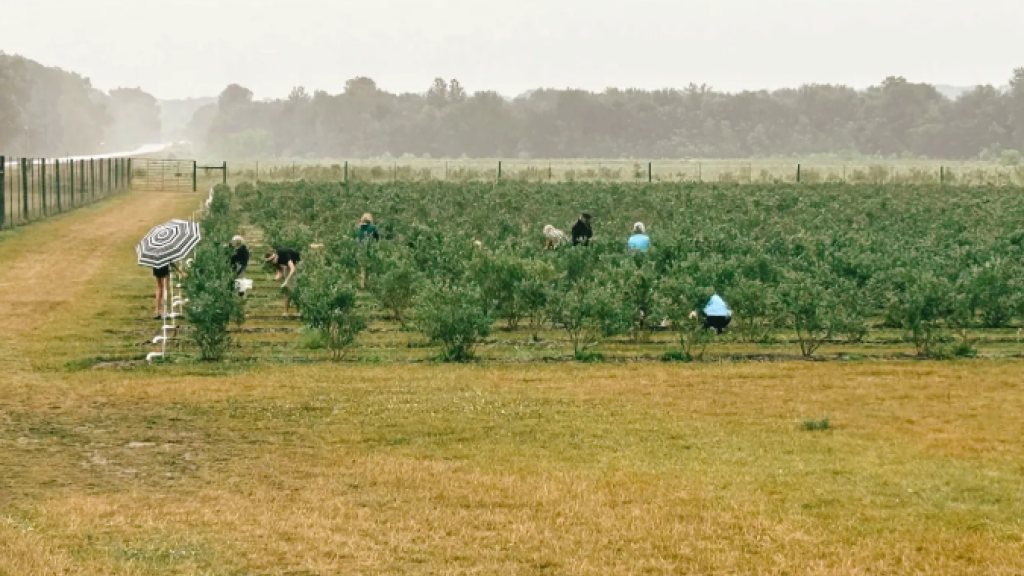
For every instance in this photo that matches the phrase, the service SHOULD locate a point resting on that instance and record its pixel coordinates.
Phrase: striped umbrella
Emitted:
(168, 243)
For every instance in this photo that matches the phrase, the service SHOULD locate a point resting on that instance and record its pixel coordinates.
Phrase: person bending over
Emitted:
(554, 237)
(582, 231)
(717, 315)
(286, 261)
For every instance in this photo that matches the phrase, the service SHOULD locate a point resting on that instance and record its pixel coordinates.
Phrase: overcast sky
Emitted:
(186, 48)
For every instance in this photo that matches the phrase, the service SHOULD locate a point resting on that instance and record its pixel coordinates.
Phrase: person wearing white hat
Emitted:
(240, 265)
(240, 259)
(639, 241)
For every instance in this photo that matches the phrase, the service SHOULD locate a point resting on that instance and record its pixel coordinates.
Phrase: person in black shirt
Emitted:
(240, 259)
(286, 261)
(582, 231)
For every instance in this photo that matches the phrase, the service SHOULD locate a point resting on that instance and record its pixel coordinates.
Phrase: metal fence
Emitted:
(35, 188)
(582, 170)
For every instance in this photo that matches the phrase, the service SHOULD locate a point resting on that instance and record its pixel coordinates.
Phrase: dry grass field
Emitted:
(496, 468)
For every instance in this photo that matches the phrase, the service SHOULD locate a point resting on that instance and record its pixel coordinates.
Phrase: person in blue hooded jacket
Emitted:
(717, 315)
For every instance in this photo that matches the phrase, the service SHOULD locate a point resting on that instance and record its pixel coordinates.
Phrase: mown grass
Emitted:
(522, 469)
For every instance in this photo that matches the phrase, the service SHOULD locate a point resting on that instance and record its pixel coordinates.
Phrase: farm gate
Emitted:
(154, 175)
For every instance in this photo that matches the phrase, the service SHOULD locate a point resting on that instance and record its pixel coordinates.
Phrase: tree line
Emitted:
(46, 112)
(896, 118)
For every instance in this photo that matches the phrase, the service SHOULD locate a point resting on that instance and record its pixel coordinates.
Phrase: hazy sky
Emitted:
(179, 48)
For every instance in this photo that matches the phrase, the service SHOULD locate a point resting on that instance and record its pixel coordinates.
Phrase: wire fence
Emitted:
(32, 189)
(418, 170)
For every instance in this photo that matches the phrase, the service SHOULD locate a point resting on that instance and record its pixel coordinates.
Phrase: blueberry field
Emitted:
(461, 272)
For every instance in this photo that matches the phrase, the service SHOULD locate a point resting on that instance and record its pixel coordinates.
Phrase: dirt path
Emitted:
(46, 267)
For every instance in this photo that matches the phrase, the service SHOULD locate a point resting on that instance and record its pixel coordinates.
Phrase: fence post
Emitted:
(71, 184)
(346, 174)
(42, 185)
(24, 189)
(56, 171)
(3, 190)
(92, 177)
(549, 171)
(797, 173)
(499, 169)
(82, 179)
(650, 172)
(194, 188)
(130, 175)
(225, 172)
(942, 174)
(110, 176)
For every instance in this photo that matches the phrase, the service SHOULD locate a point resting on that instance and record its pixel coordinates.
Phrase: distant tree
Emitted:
(12, 95)
(199, 126)
(136, 119)
(234, 96)
(437, 96)
(1016, 108)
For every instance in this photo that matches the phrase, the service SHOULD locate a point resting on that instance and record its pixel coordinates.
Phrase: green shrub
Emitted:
(918, 301)
(453, 316)
(501, 278)
(756, 311)
(394, 281)
(680, 297)
(817, 425)
(676, 356)
(818, 306)
(639, 289)
(328, 305)
(535, 295)
(396, 290)
(221, 221)
(589, 311)
(999, 291)
(212, 300)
